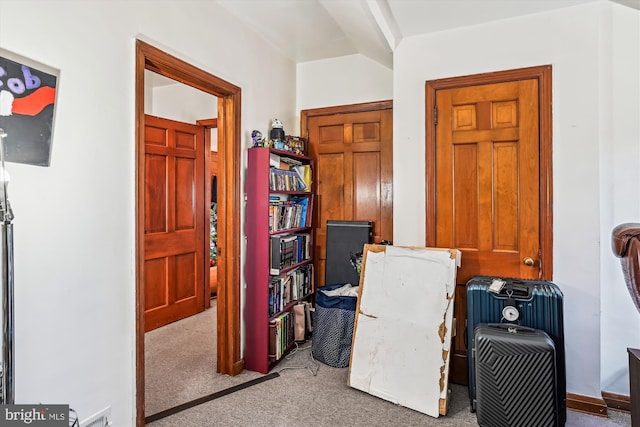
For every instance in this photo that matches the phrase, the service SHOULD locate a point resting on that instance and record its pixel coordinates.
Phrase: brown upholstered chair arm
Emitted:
(625, 240)
(622, 235)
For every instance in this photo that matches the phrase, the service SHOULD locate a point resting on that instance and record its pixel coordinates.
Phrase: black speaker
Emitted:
(345, 239)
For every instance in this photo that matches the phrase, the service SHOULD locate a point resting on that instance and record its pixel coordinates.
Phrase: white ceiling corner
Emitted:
(386, 22)
(301, 29)
(308, 30)
(358, 23)
(635, 4)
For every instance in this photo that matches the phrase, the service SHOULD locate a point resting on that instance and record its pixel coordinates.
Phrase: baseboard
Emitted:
(619, 402)
(237, 367)
(588, 404)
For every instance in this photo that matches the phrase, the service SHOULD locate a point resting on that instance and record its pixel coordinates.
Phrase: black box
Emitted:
(345, 239)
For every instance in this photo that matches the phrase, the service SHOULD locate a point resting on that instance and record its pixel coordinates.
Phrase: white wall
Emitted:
(620, 185)
(344, 80)
(74, 225)
(571, 41)
(182, 103)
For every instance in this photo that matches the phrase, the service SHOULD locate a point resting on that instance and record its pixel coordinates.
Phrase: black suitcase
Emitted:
(516, 377)
(532, 303)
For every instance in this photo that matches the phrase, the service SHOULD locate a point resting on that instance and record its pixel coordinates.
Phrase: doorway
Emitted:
(228, 247)
(488, 180)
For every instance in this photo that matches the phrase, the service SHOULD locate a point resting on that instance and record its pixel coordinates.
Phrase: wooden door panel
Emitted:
(187, 141)
(155, 283)
(185, 277)
(330, 134)
(155, 194)
(484, 176)
(485, 184)
(458, 362)
(161, 244)
(504, 194)
(366, 132)
(329, 201)
(367, 197)
(331, 187)
(185, 213)
(465, 181)
(155, 136)
(174, 241)
(353, 153)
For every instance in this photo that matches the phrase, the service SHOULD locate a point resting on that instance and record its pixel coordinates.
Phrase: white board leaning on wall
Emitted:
(403, 327)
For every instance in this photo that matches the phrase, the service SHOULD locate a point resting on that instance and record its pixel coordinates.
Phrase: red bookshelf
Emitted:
(277, 205)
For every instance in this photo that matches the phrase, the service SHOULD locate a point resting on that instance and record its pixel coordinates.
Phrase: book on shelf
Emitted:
(289, 213)
(274, 160)
(289, 287)
(281, 335)
(285, 180)
(287, 250)
(304, 174)
(272, 341)
(278, 337)
(290, 160)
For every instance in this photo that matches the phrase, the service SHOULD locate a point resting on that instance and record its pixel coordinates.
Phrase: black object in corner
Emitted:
(345, 239)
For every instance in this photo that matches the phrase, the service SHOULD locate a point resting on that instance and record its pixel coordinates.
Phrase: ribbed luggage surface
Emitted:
(515, 377)
(539, 306)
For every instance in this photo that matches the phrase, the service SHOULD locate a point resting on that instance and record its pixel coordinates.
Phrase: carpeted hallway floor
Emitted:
(180, 366)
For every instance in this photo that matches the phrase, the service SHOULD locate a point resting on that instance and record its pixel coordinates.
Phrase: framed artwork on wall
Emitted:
(28, 92)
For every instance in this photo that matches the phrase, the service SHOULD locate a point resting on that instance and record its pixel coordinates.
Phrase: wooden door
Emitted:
(174, 215)
(486, 189)
(487, 200)
(354, 168)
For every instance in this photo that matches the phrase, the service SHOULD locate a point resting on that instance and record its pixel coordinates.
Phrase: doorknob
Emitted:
(528, 261)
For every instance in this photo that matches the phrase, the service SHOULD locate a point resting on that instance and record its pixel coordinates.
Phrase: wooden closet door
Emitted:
(485, 185)
(354, 168)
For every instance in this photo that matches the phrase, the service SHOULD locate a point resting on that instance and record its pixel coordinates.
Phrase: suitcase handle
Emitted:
(516, 328)
(515, 289)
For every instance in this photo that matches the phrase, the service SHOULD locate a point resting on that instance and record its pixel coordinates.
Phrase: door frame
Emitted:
(543, 75)
(229, 114)
(341, 109)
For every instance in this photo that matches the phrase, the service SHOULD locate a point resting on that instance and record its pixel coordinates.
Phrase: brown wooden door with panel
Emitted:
(174, 215)
(486, 187)
(354, 166)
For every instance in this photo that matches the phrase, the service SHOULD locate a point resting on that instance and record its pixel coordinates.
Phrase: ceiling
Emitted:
(308, 30)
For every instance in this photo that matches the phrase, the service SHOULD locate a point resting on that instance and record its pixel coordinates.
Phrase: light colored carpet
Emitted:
(180, 363)
(180, 366)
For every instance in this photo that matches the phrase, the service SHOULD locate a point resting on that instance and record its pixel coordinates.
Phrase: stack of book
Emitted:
(289, 287)
(288, 250)
(280, 335)
(285, 214)
(287, 180)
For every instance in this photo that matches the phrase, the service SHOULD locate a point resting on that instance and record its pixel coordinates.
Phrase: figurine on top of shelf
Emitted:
(258, 140)
(276, 135)
(296, 144)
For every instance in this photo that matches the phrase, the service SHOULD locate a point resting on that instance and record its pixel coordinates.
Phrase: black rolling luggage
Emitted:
(516, 377)
(533, 303)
